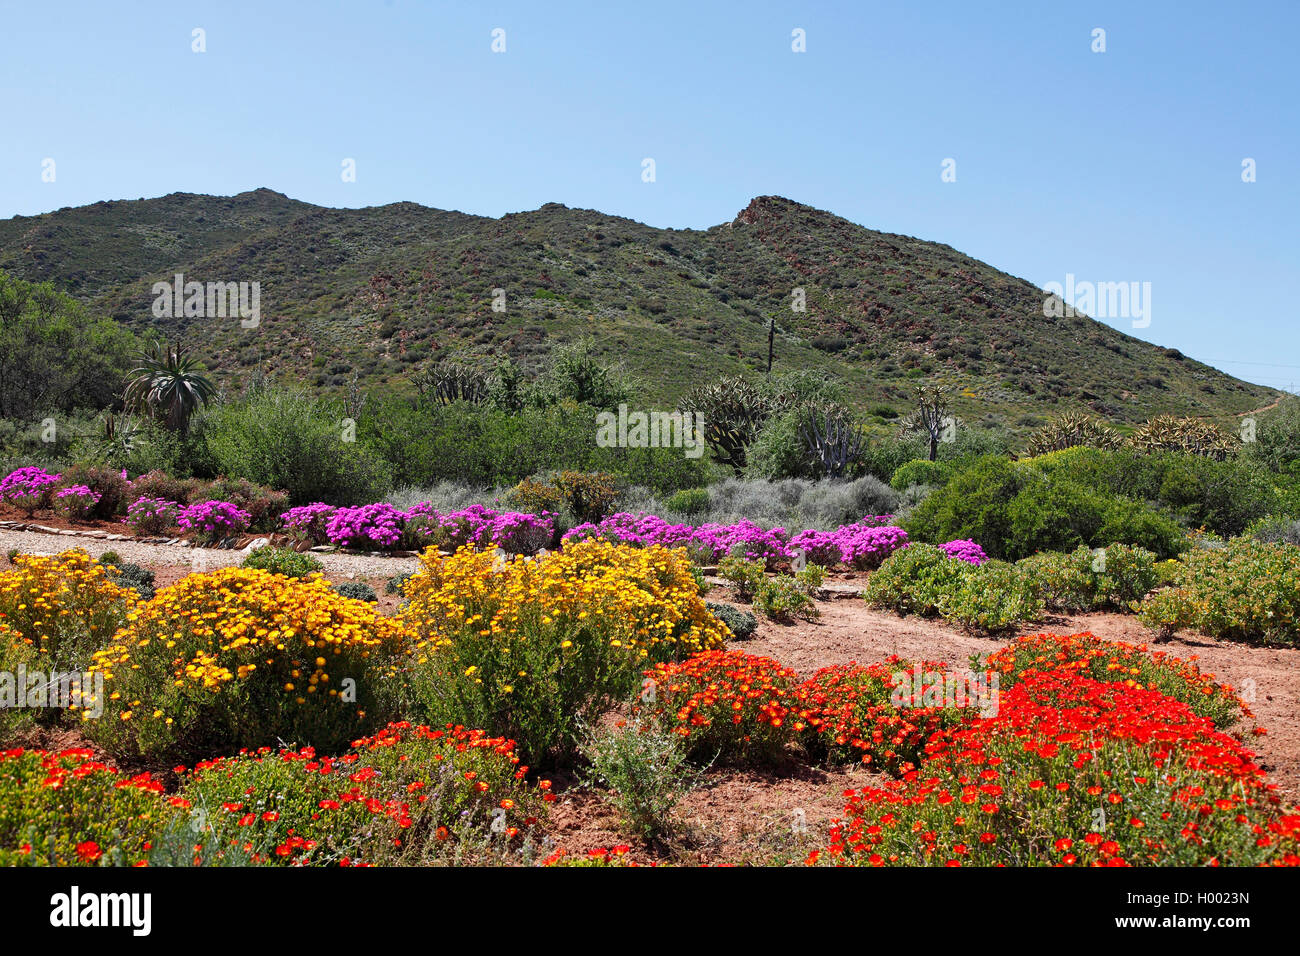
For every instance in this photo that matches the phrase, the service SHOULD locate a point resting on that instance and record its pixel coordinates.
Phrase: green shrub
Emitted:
(991, 598)
(1245, 590)
(357, 591)
(397, 583)
(784, 597)
(1086, 580)
(286, 561)
(286, 439)
(590, 496)
(914, 580)
(488, 446)
(1221, 496)
(1065, 582)
(646, 771)
(744, 575)
(921, 471)
(921, 579)
(1014, 511)
(691, 502)
(777, 450)
(742, 624)
(1276, 529)
(535, 496)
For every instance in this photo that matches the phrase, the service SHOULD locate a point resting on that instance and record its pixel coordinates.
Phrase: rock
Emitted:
(255, 544)
(117, 537)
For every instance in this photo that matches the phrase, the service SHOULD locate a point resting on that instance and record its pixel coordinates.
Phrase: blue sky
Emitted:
(1115, 166)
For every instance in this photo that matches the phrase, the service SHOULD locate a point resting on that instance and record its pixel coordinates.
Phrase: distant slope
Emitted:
(384, 290)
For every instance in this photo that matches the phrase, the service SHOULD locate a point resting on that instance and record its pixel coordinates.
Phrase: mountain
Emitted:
(381, 291)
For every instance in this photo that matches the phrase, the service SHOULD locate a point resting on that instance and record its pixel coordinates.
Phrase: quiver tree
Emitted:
(931, 415)
(831, 437)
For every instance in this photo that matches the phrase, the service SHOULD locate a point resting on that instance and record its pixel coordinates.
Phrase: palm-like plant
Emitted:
(168, 386)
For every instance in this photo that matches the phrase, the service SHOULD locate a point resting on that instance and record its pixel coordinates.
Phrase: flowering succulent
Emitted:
(28, 488)
(213, 520)
(151, 515)
(308, 522)
(519, 533)
(727, 704)
(404, 795)
(1132, 664)
(68, 809)
(852, 714)
(1073, 771)
(862, 545)
(76, 501)
(965, 550)
(369, 526)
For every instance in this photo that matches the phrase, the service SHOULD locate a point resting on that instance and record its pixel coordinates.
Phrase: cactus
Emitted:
(1192, 435)
(733, 411)
(453, 380)
(1071, 429)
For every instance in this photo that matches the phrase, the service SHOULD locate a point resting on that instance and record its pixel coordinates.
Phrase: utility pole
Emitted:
(771, 338)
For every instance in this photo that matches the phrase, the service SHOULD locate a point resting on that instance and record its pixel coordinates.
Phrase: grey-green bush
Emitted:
(742, 624)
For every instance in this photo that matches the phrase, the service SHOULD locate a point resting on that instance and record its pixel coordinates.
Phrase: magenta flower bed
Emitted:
(383, 526)
(863, 544)
(151, 515)
(369, 526)
(76, 501)
(214, 520)
(28, 488)
(965, 550)
(309, 522)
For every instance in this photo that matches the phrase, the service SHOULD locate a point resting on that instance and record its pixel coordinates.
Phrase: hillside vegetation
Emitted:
(379, 293)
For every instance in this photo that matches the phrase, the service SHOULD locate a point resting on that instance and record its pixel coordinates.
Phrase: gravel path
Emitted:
(199, 559)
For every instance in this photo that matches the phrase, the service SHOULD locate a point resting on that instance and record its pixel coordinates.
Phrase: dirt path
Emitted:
(196, 559)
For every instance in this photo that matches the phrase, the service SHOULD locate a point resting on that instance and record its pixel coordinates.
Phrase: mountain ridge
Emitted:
(381, 291)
